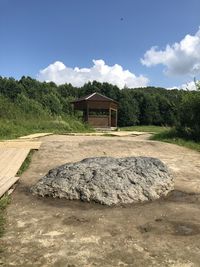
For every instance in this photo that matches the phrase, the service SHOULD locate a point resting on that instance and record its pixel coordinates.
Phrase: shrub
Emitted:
(189, 121)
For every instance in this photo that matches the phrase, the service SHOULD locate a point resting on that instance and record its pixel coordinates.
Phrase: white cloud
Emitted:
(60, 74)
(190, 86)
(179, 59)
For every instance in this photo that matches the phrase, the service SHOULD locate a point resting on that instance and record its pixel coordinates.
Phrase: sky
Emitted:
(132, 43)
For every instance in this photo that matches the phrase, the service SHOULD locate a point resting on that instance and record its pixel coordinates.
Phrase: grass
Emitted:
(165, 134)
(11, 129)
(171, 136)
(26, 163)
(145, 128)
(4, 201)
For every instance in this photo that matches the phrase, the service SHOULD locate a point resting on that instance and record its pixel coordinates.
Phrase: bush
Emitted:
(30, 107)
(189, 121)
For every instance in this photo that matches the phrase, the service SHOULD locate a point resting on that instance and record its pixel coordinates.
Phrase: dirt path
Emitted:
(53, 232)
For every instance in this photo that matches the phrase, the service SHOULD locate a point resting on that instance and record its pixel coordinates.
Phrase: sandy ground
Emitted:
(53, 232)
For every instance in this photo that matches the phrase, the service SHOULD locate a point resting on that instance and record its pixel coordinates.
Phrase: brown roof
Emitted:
(94, 97)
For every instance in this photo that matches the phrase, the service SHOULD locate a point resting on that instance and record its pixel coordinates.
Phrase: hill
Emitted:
(27, 106)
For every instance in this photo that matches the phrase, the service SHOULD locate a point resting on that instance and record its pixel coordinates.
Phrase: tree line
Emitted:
(140, 106)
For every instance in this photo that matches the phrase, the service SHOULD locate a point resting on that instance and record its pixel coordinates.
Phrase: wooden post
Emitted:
(109, 119)
(116, 118)
(87, 112)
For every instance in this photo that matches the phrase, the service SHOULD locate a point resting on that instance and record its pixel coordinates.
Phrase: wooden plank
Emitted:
(6, 186)
(11, 160)
(6, 180)
(12, 155)
(36, 135)
(20, 144)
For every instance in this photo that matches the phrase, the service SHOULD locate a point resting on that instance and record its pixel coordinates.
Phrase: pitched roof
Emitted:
(94, 97)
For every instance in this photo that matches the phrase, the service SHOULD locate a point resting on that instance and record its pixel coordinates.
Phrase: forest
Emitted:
(27, 102)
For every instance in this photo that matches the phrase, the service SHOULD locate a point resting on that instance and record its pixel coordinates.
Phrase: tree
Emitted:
(30, 107)
(128, 111)
(189, 123)
(52, 102)
(198, 85)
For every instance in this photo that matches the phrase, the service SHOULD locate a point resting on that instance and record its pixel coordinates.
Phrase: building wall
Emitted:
(101, 105)
(99, 121)
(94, 105)
(102, 121)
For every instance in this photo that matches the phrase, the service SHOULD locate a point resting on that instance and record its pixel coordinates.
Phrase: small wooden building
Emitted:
(98, 110)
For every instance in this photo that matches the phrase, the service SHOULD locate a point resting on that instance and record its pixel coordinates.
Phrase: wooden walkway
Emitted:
(12, 155)
(20, 144)
(36, 135)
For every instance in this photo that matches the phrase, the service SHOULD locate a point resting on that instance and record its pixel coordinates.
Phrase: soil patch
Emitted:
(49, 232)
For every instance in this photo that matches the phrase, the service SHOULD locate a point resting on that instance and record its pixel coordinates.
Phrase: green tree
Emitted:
(52, 102)
(189, 123)
(30, 107)
(128, 111)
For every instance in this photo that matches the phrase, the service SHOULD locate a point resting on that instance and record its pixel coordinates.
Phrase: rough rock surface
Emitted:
(108, 180)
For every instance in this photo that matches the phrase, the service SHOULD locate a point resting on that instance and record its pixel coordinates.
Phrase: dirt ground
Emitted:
(52, 232)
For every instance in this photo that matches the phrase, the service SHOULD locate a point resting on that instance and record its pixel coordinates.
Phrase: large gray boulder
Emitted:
(108, 180)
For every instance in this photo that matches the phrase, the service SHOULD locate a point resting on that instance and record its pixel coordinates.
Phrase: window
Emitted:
(98, 112)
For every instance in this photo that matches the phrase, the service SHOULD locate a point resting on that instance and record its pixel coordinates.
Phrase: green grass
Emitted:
(171, 136)
(10, 129)
(165, 134)
(145, 128)
(4, 201)
(26, 163)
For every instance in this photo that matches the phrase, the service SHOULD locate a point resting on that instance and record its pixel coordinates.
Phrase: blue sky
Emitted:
(35, 34)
